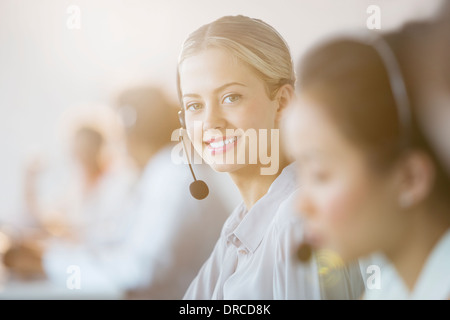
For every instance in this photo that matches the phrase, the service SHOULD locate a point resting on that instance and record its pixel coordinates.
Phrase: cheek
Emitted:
(352, 218)
(195, 138)
(339, 206)
(343, 207)
(257, 114)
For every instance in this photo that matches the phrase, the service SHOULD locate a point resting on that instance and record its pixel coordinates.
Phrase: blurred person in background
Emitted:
(373, 182)
(87, 200)
(96, 186)
(164, 235)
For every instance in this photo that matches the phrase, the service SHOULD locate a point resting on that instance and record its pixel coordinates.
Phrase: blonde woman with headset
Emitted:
(235, 78)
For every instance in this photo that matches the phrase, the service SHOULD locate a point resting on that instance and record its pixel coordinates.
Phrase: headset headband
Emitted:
(397, 85)
(377, 41)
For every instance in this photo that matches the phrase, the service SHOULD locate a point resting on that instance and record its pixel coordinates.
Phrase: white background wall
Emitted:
(46, 68)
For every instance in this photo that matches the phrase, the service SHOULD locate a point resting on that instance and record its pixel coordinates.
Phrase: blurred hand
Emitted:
(59, 228)
(24, 258)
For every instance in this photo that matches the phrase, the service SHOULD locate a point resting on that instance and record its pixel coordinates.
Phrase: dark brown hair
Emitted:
(348, 79)
(156, 116)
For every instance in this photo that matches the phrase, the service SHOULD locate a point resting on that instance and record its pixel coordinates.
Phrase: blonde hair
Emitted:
(252, 41)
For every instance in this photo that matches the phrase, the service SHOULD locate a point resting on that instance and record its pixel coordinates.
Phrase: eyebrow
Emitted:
(194, 95)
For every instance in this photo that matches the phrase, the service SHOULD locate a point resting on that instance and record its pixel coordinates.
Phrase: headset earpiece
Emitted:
(181, 118)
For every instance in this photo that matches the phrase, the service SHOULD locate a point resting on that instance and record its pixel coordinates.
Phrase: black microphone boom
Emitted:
(198, 188)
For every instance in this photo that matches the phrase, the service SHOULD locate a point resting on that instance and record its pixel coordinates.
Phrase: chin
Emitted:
(348, 254)
(226, 167)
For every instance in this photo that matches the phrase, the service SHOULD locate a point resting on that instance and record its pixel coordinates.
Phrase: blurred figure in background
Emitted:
(164, 235)
(99, 183)
(372, 180)
(81, 206)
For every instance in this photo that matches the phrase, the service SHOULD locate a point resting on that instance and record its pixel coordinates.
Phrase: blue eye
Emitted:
(232, 98)
(193, 106)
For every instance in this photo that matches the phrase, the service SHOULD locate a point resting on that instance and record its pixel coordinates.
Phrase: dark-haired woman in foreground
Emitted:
(371, 181)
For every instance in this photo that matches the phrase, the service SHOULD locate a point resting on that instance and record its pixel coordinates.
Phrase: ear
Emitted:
(417, 176)
(284, 96)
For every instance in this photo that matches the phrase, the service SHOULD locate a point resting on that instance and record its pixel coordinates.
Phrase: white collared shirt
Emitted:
(255, 258)
(433, 282)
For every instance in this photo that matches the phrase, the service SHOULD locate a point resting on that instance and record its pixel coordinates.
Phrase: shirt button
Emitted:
(235, 241)
(242, 251)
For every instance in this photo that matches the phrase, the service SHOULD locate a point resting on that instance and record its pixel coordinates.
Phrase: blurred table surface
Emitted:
(43, 289)
(13, 287)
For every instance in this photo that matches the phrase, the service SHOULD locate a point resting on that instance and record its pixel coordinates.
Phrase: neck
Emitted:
(252, 184)
(426, 227)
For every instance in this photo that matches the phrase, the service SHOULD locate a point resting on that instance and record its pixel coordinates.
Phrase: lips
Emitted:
(220, 144)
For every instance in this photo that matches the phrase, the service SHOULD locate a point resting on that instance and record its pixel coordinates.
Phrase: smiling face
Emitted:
(349, 206)
(227, 100)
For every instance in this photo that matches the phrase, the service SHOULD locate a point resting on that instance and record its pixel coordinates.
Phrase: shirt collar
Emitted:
(431, 279)
(249, 227)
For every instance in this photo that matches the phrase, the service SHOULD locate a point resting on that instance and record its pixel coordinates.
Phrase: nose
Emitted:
(213, 118)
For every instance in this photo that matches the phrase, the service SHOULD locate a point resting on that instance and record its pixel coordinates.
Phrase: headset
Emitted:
(402, 103)
(198, 188)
